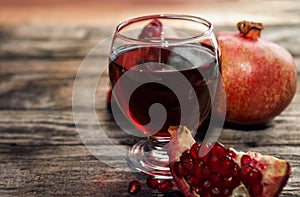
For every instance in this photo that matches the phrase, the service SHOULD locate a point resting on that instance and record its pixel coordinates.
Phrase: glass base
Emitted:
(150, 157)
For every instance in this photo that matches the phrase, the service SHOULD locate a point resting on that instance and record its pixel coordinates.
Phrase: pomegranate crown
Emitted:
(250, 29)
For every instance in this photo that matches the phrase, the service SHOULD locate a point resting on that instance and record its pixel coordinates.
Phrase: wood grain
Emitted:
(41, 153)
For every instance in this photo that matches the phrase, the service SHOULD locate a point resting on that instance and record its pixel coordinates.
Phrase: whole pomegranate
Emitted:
(203, 169)
(259, 76)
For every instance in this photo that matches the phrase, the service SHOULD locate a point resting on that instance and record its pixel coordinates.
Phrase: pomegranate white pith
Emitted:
(257, 175)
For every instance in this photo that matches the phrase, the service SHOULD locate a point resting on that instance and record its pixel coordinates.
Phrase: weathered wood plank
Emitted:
(41, 153)
(29, 41)
(51, 138)
(44, 42)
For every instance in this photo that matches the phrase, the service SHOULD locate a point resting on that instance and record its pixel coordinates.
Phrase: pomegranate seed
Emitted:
(186, 160)
(245, 160)
(206, 172)
(244, 172)
(152, 182)
(236, 170)
(213, 163)
(228, 182)
(254, 176)
(165, 186)
(216, 179)
(216, 191)
(205, 194)
(134, 187)
(206, 184)
(197, 189)
(226, 166)
(198, 169)
(193, 181)
(219, 150)
(261, 166)
(231, 182)
(180, 171)
(194, 151)
(256, 189)
(226, 192)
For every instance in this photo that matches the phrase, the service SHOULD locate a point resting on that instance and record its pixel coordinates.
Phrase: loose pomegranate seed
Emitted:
(165, 186)
(218, 150)
(186, 160)
(134, 187)
(153, 183)
(245, 160)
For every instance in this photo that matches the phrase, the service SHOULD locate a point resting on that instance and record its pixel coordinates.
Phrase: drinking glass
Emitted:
(164, 71)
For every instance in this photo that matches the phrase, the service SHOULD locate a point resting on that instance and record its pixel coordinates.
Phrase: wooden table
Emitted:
(41, 153)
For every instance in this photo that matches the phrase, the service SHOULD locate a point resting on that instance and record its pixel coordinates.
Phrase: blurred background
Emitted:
(111, 12)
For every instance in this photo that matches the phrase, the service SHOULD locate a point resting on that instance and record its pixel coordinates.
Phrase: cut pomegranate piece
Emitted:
(223, 171)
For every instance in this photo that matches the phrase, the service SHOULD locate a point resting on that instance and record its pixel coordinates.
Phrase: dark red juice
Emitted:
(156, 77)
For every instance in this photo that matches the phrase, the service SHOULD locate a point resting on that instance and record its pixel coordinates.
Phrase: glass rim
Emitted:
(196, 19)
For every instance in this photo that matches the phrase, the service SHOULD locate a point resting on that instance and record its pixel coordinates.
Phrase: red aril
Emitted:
(259, 76)
(134, 187)
(226, 172)
(165, 186)
(152, 182)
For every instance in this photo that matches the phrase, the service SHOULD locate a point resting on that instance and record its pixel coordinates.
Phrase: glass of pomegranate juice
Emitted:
(164, 71)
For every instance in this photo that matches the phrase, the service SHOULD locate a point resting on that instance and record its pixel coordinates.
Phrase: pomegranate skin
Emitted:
(259, 76)
(267, 172)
